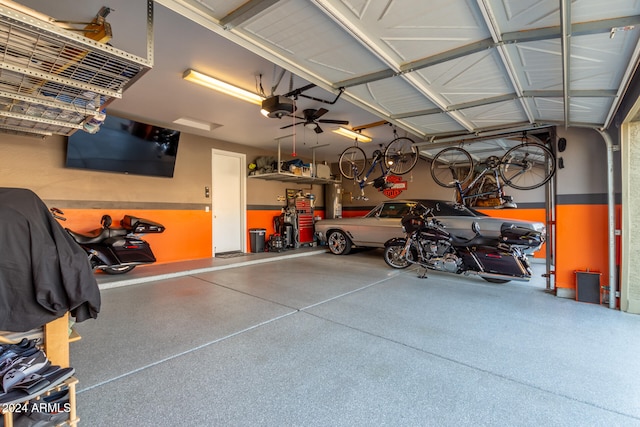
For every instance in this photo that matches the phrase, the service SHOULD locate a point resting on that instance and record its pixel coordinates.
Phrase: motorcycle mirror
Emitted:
(106, 221)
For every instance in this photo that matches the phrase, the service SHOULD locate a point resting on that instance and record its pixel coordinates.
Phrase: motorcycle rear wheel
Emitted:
(393, 258)
(119, 270)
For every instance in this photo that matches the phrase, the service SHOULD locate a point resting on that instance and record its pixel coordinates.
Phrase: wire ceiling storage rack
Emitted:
(53, 80)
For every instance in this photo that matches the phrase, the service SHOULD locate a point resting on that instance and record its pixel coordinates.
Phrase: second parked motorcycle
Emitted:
(429, 245)
(116, 250)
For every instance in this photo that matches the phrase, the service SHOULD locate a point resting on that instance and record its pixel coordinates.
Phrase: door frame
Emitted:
(243, 198)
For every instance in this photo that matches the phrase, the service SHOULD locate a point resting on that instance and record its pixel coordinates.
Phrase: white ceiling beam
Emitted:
(246, 12)
(494, 29)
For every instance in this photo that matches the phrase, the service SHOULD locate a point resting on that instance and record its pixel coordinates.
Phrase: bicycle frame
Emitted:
(464, 195)
(378, 160)
(469, 194)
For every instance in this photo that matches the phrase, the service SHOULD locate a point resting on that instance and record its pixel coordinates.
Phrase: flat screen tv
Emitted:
(125, 146)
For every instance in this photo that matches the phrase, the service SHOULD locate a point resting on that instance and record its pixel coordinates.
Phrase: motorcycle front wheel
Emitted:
(119, 270)
(393, 257)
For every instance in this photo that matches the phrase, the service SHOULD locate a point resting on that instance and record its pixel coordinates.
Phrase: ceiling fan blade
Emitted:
(337, 122)
(318, 129)
(319, 113)
(288, 126)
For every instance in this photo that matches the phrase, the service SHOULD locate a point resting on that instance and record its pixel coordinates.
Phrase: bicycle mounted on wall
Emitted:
(524, 167)
(400, 156)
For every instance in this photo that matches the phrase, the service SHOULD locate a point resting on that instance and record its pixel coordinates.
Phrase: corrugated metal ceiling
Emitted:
(440, 68)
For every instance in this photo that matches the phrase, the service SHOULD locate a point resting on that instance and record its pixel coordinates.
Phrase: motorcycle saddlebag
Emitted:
(514, 235)
(493, 261)
(133, 251)
(141, 225)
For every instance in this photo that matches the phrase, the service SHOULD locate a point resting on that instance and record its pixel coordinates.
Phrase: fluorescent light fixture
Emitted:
(220, 86)
(351, 134)
(196, 124)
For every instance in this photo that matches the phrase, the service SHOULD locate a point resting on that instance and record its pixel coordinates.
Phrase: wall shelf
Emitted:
(53, 80)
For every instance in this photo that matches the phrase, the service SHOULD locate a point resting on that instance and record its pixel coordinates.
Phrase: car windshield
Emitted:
(439, 208)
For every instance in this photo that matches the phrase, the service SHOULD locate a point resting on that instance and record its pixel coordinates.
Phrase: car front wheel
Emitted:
(339, 243)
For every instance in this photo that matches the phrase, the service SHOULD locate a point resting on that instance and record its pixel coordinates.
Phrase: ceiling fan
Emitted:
(312, 120)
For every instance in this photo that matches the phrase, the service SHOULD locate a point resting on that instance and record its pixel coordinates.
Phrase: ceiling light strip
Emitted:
(351, 134)
(220, 86)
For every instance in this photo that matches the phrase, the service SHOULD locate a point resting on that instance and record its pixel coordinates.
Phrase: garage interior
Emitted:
(276, 340)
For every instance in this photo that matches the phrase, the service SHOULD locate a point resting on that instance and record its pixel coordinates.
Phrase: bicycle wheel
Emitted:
(353, 161)
(400, 156)
(527, 166)
(451, 165)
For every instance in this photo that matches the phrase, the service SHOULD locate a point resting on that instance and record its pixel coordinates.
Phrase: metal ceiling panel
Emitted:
(590, 110)
(523, 15)
(446, 66)
(470, 78)
(393, 96)
(537, 65)
(299, 31)
(596, 10)
(402, 32)
(501, 114)
(434, 124)
(547, 109)
(599, 61)
(439, 68)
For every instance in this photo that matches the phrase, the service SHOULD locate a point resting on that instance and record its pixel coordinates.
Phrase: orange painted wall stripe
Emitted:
(581, 243)
(187, 235)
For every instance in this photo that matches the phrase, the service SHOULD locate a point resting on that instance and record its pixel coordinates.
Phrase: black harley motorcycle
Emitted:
(427, 244)
(116, 250)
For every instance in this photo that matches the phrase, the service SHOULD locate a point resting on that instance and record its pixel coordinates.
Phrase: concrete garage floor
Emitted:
(313, 339)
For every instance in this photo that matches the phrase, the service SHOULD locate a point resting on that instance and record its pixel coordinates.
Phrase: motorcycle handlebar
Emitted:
(57, 214)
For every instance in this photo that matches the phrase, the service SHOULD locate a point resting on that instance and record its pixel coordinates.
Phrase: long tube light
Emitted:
(351, 134)
(220, 86)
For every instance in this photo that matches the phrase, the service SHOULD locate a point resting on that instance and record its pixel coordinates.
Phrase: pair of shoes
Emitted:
(51, 410)
(9, 351)
(24, 366)
(34, 384)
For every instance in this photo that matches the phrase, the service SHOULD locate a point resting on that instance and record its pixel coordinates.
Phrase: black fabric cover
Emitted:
(43, 272)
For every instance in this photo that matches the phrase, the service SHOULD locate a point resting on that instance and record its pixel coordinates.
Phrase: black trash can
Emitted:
(256, 239)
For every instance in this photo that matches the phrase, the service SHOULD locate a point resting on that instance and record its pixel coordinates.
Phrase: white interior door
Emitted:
(228, 201)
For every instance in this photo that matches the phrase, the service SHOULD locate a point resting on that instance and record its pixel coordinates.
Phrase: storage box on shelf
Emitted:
(306, 175)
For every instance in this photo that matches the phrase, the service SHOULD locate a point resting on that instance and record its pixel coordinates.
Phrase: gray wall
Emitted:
(38, 164)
